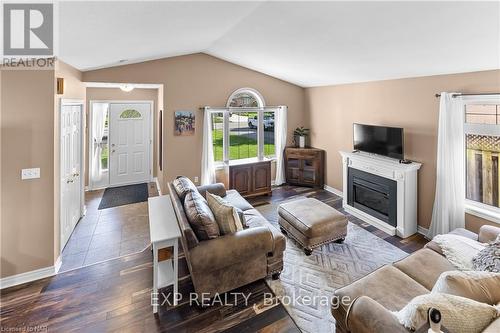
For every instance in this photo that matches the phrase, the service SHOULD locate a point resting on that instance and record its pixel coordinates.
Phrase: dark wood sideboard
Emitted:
(251, 179)
(305, 166)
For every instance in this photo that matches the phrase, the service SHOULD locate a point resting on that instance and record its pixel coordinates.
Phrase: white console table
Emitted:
(405, 176)
(164, 232)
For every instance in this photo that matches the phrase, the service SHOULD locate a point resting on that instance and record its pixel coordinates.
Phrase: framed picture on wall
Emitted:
(184, 123)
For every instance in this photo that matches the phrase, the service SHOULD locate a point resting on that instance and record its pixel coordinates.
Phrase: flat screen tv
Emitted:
(381, 140)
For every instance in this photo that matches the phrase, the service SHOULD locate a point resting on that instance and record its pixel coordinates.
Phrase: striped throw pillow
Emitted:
(226, 215)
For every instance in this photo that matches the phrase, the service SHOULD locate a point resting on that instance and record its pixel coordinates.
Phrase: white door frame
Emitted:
(62, 102)
(91, 144)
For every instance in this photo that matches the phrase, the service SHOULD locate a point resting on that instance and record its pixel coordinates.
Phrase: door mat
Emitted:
(124, 195)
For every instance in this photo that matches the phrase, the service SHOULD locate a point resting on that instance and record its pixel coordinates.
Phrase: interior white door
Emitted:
(130, 143)
(71, 164)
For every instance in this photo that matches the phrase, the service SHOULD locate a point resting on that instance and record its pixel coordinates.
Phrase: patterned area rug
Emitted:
(330, 267)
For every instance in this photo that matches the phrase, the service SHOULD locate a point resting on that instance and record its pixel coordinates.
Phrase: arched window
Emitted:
(130, 113)
(246, 97)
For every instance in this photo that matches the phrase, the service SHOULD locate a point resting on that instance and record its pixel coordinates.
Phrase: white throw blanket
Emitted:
(459, 250)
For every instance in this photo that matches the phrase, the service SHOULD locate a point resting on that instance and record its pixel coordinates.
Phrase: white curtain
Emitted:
(280, 143)
(207, 157)
(449, 212)
(98, 123)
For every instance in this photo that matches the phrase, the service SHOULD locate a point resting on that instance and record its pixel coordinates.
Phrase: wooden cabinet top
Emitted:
(311, 149)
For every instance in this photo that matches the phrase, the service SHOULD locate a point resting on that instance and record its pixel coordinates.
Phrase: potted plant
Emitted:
(299, 136)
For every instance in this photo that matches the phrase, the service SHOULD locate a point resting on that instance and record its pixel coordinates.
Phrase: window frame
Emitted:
(472, 207)
(260, 134)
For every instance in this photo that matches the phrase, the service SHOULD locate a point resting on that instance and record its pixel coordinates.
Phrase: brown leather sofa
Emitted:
(368, 302)
(230, 261)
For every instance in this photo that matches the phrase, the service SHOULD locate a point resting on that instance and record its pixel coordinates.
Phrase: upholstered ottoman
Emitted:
(312, 223)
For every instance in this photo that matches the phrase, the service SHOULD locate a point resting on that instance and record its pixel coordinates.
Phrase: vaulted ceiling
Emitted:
(306, 43)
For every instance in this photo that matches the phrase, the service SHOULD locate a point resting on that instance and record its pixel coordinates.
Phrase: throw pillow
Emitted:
(200, 216)
(226, 215)
(483, 287)
(459, 314)
(459, 250)
(183, 185)
(489, 258)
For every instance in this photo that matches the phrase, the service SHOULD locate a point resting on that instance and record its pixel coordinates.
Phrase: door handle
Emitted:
(112, 145)
(69, 181)
(76, 174)
(113, 151)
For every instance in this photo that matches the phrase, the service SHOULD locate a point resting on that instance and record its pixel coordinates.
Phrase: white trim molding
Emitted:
(37, 274)
(333, 190)
(482, 211)
(158, 187)
(423, 231)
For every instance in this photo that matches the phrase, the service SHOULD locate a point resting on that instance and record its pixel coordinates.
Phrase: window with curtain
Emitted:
(482, 153)
(243, 134)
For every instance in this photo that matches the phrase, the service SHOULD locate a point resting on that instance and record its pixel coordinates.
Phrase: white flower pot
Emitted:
(302, 141)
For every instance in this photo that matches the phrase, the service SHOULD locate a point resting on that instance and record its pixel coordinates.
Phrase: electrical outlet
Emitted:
(195, 179)
(30, 173)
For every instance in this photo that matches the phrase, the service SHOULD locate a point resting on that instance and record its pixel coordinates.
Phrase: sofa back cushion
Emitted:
(183, 185)
(189, 239)
(200, 216)
(483, 287)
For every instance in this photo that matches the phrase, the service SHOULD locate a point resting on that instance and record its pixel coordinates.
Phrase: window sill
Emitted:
(222, 165)
(482, 212)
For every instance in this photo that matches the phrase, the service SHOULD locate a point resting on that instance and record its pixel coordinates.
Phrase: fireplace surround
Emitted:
(381, 191)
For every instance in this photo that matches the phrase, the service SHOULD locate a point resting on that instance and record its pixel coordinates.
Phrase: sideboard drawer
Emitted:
(378, 170)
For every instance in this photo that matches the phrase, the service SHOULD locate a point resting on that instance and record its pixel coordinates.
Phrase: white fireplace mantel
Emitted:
(405, 176)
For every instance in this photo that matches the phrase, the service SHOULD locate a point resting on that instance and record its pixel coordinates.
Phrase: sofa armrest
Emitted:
(230, 249)
(217, 189)
(366, 315)
(488, 233)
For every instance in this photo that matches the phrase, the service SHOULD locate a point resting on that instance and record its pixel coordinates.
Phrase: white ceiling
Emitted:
(307, 43)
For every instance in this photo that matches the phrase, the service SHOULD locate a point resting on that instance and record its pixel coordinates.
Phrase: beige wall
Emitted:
(194, 81)
(27, 207)
(116, 94)
(408, 103)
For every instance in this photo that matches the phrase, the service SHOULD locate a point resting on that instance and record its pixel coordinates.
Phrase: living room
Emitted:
(335, 169)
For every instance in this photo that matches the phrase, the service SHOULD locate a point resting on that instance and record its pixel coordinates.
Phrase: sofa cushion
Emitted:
(488, 259)
(200, 216)
(482, 287)
(424, 266)
(226, 215)
(387, 285)
(183, 186)
(235, 199)
(488, 233)
(459, 314)
(459, 231)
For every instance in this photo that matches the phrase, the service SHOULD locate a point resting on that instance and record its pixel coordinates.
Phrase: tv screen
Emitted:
(381, 140)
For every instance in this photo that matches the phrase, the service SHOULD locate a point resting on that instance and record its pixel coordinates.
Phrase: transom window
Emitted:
(245, 130)
(482, 152)
(130, 114)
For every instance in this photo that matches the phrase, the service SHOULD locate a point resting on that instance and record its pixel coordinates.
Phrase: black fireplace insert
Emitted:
(372, 194)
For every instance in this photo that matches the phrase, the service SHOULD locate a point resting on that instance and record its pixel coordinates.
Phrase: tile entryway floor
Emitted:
(108, 233)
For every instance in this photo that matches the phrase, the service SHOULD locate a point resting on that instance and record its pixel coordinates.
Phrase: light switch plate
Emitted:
(195, 179)
(30, 173)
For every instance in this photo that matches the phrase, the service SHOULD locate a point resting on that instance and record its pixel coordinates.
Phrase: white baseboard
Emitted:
(158, 187)
(422, 230)
(334, 191)
(37, 274)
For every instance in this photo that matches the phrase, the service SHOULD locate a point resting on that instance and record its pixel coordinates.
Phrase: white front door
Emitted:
(129, 143)
(71, 168)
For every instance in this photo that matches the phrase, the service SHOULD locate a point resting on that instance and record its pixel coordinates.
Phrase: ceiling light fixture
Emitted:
(127, 87)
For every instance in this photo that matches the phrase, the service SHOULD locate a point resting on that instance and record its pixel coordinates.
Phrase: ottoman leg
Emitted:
(283, 231)
(308, 252)
(340, 240)
(276, 276)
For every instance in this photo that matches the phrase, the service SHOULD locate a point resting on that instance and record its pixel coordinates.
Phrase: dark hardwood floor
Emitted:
(114, 296)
